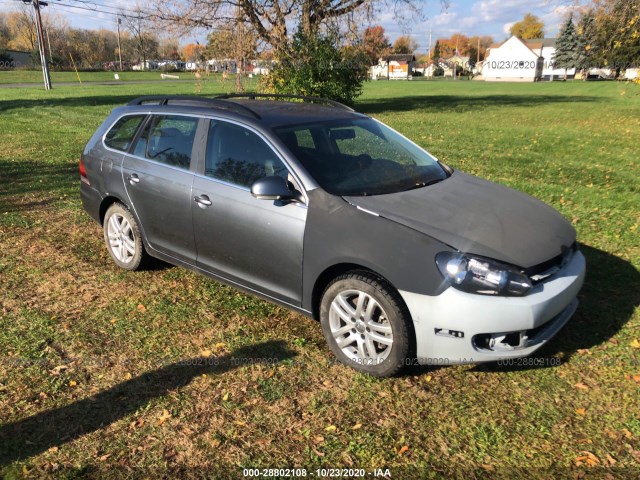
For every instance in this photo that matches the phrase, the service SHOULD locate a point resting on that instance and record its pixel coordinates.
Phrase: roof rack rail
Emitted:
(187, 99)
(276, 96)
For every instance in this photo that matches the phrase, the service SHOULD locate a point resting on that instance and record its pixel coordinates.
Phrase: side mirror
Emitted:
(272, 188)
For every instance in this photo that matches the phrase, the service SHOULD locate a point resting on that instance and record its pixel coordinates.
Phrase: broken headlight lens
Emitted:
(481, 275)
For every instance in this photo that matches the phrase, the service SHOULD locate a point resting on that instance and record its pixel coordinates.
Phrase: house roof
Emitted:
(540, 42)
(400, 57)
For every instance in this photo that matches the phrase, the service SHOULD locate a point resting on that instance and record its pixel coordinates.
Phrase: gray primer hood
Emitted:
(477, 216)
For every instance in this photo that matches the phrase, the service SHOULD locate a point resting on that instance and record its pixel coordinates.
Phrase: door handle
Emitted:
(133, 179)
(202, 200)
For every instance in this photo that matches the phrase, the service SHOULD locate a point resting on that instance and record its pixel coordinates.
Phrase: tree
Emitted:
(529, 27)
(587, 48)
(566, 55)
(143, 41)
(321, 68)
(405, 44)
(236, 41)
(22, 28)
(272, 20)
(4, 32)
(192, 52)
(617, 33)
(437, 53)
(375, 44)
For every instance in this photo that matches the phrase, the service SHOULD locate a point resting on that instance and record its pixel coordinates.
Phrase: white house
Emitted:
(512, 61)
(546, 48)
(393, 67)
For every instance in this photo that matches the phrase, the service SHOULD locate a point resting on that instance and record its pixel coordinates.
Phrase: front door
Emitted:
(257, 243)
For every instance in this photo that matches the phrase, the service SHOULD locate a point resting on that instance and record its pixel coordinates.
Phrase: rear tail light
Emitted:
(83, 174)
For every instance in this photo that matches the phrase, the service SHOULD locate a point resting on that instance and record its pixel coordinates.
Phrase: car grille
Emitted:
(545, 270)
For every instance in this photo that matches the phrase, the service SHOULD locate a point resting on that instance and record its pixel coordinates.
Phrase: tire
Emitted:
(123, 238)
(352, 324)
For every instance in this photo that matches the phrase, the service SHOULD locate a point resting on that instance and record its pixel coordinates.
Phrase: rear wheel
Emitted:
(123, 238)
(366, 324)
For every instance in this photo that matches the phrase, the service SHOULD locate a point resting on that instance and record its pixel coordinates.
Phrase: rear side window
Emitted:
(168, 139)
(121, 134)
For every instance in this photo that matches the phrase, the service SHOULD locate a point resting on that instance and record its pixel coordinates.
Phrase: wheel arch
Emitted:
(333, 272)
(106, 203)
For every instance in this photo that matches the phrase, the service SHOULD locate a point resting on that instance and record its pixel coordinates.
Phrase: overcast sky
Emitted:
(471, 17)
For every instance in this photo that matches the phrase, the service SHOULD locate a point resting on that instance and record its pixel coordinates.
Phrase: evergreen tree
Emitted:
(436, 51)
(587, 52)
(566, 55)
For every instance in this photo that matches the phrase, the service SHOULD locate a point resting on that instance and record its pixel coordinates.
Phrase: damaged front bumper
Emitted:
(459, 327)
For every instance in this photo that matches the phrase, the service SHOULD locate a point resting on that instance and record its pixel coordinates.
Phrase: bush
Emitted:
(319, 68)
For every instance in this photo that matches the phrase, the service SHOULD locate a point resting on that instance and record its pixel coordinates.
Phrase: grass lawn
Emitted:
(110, 373)
(35, 76)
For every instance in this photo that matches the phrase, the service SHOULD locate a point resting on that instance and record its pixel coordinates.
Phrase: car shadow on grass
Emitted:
(608, 300)
(36, 434)
(464, 102)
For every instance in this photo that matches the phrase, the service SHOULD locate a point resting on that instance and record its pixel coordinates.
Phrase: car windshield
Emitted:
(360, 157)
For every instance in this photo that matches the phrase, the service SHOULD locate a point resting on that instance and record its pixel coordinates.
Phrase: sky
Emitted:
(442, 17)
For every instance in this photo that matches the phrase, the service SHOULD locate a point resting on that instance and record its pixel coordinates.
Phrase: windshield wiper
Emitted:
(424, 184)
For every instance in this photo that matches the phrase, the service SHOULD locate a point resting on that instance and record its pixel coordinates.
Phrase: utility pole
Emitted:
(119, 49)
(43, 54)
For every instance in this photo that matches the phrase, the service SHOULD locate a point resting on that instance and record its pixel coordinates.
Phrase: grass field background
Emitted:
(111, 373)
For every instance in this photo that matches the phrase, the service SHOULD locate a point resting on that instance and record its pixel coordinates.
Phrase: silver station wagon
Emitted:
(331, 213)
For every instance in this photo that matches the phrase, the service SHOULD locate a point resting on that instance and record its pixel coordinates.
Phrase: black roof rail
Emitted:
(277, 96)
(187, 99)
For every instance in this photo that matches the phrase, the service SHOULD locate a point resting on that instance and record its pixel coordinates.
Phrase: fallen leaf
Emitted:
(72, 383)
(141, 308)
(164, 417)
(331, 428)
(104, 457)
(127, 376)
(225, 397)
(205, 353)
(581, 411)
(635, 343)
(635, 378)
(318, 439)
(581, 386)
(357, 426)
(588, 459)
(612, 461)
(427, 378)
(403, 450)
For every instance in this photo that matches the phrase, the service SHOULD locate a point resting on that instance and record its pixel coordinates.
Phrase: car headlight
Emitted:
(475, 274)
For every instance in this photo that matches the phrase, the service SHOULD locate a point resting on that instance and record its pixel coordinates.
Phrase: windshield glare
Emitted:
(360, 157)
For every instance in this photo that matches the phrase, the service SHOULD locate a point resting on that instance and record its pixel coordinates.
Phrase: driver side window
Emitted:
(237, 155)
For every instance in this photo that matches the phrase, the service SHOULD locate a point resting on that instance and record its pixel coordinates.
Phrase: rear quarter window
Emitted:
(122, 133)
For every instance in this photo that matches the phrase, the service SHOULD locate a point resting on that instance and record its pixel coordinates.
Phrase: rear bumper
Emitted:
(91, 200)
(458, 327)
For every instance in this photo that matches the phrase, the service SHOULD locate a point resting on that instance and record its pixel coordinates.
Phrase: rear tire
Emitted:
(366, 324)
(123, 237)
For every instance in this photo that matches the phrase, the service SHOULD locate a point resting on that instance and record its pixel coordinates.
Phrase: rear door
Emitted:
(158, 179)
(257, 243)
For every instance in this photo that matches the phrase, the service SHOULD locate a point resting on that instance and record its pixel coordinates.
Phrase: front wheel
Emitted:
(366, 324)
(123, 238)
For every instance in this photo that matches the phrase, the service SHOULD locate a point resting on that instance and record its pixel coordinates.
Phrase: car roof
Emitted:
(265, 112)
(279, 113)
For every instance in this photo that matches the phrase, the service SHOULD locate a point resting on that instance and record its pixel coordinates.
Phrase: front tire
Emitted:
(366, 324)
(123, 238)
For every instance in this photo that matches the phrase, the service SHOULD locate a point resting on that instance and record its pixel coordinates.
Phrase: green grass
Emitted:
(110, 373)
(35, 76)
